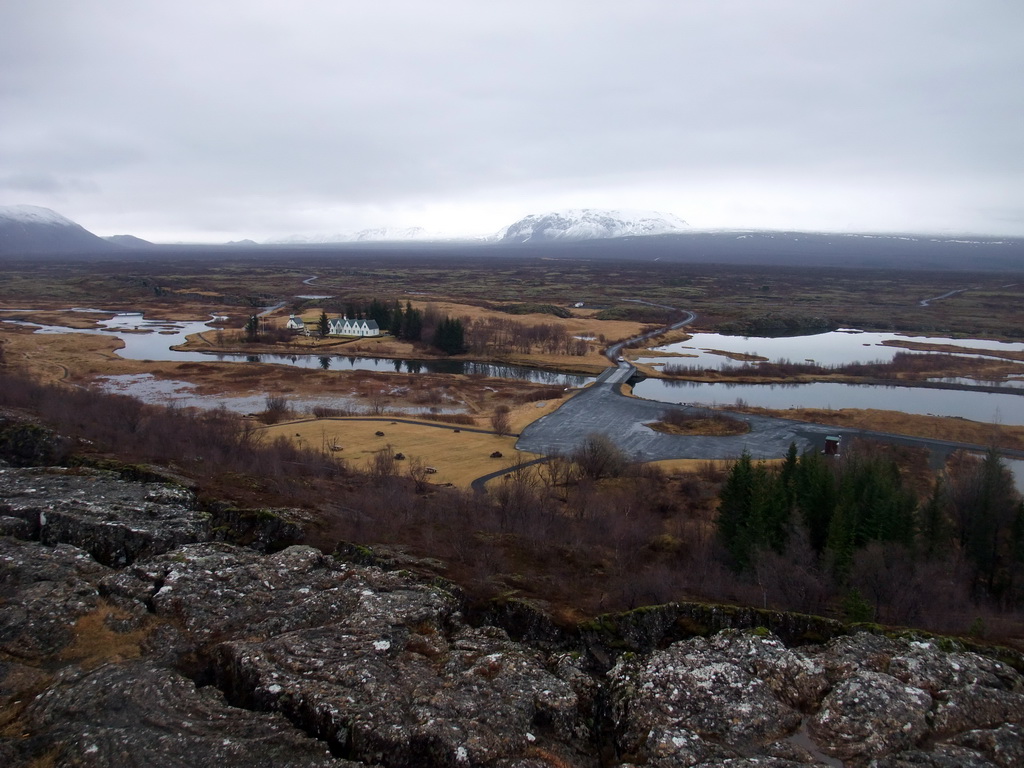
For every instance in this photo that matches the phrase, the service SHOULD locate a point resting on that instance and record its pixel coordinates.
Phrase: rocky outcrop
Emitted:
(116, 522)
(376, 664)
(44, 591)
(136, 713)
(859, 700)
(202, 652)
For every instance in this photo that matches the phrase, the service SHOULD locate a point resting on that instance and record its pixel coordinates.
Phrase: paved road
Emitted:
(601, 409)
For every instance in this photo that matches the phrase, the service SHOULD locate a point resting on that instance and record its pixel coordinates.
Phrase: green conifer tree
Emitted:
(412, 323)
(252, 328)
(735, 506)
(815, 497)
(933, 528)
(397, 320)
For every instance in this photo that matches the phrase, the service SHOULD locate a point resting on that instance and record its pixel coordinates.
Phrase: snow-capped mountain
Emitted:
(378, 234)
(29, 229)
(590, 224)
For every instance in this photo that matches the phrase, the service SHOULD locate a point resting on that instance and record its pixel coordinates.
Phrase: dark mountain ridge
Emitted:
(26, 231)
(29, 229)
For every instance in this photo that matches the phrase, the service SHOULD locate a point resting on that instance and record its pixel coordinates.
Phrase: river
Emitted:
(152, 340)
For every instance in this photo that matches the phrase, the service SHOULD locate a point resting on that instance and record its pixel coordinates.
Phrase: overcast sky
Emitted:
(228, 119)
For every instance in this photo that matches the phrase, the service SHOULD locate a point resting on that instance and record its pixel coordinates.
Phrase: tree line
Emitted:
(857, 524)
(500, 336)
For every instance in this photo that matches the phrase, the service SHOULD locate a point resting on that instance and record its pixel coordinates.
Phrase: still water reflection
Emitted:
(989, 407)
(833, 348)
(152, 340)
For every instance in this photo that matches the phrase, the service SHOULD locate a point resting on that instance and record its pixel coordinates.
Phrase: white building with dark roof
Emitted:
(342, 326)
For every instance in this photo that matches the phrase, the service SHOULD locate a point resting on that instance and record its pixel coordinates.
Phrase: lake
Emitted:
(833, 348)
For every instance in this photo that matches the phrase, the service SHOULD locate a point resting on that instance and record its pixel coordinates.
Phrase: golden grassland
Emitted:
(458, 455)
(695, 466)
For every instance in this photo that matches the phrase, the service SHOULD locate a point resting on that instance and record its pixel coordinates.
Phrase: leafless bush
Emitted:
(418, 473)
(541, 393)
(500, 421)
(383, 465)
(599, 457)
(378, 401)
(275, 408)
(557, 472)
(430, 396)
(325, 412)
(713, 471)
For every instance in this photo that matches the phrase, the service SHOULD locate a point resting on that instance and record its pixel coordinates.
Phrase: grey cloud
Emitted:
(193, 107)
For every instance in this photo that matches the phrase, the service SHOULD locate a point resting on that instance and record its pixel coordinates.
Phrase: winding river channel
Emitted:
(152, 340)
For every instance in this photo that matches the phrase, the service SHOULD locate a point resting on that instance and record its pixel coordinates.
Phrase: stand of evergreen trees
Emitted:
(450, 336)
(406, 324)
(858, 516)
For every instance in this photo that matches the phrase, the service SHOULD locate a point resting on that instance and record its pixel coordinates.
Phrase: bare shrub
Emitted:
(500, 421)
(713, 471)
(383, 465)
(599, 457)
(557, 472)
(541, 393)
(324, 412)
(378, 401)
(430, 396)
(275, 408)
(417, 472)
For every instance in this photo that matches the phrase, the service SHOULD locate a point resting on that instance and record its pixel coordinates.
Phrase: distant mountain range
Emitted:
(571, 224)
(27, 230)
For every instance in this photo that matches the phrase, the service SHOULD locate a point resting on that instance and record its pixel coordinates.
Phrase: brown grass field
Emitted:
(458, 455)
(954, 429)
